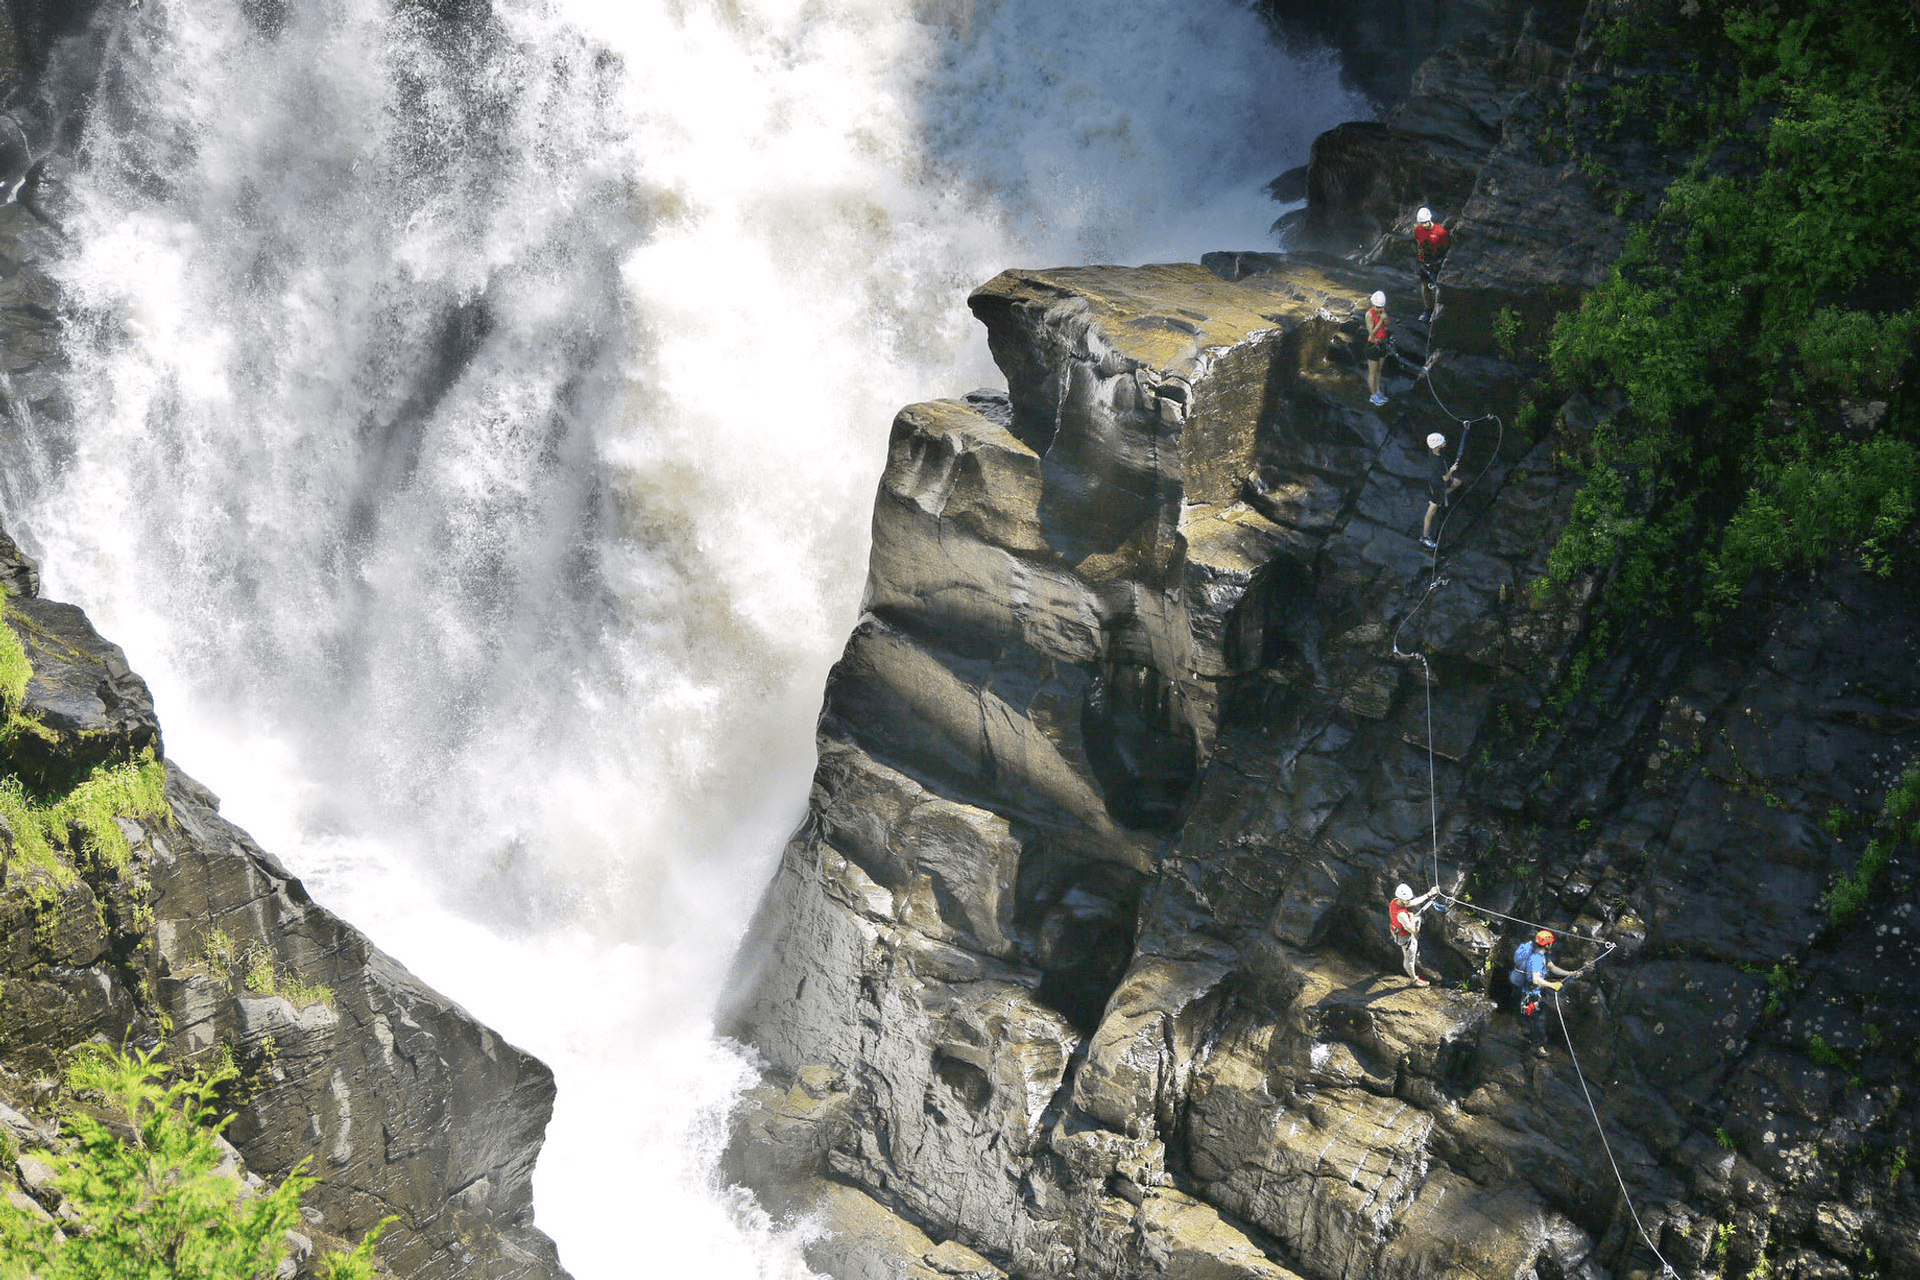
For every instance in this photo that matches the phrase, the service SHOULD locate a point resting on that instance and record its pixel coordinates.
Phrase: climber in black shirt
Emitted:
(1442, 480)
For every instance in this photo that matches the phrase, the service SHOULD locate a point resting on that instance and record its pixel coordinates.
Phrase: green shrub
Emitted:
(155, 1206)
(1774, 278)
(1899, 821)
(1506, 331)
(41, 827)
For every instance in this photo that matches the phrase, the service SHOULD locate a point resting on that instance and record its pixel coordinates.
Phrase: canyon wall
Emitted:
(201, 945)
(1078, 964)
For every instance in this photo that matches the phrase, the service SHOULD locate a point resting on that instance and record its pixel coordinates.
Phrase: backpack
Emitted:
(1519, 977)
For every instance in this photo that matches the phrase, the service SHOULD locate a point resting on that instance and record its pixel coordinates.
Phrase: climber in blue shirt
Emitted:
(1534, 972)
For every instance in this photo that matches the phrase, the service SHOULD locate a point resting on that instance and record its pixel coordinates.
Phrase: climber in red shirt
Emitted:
(1403, 922)
(1430, 245)
(1377, 346)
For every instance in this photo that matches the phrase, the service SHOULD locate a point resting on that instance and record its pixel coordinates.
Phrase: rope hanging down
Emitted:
(1426, 673)
(1666, 1268)
(1433, 797)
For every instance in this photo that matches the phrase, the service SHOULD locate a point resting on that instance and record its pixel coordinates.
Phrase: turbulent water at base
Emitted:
(476, 420)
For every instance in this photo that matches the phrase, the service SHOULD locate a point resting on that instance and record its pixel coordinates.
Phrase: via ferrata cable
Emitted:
(1433, 796)
(1666, 1268)
(1426, 680)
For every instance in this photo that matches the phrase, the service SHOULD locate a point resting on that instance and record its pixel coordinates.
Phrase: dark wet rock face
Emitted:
(1079, 961)
(91, 709)
(204, 946)
(405, 1103)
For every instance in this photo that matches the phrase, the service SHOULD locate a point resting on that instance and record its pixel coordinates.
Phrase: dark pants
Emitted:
(1536, 1015)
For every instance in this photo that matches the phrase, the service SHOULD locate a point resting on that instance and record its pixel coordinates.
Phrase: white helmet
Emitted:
(1436, 441)
(1379, 298)
(1404, 892)
(1425, 215)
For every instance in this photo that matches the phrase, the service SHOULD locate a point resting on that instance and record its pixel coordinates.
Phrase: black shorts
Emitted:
(1376, 351)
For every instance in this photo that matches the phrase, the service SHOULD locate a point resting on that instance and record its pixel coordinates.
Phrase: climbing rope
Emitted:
(1434, 583)
(1535, 925)
(1426, 674)
(1666, 1268)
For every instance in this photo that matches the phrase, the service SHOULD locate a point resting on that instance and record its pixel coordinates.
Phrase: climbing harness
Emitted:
(1666, 1268)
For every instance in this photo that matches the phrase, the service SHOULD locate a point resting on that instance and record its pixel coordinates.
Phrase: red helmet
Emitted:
(1544, 937)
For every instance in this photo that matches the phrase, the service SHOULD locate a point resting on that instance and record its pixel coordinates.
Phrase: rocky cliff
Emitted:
(1077, 965)
(194, 940)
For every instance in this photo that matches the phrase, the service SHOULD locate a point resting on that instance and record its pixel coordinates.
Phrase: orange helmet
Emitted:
(1544, 937)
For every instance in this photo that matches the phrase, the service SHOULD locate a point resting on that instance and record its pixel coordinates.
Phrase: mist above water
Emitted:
(475, 431)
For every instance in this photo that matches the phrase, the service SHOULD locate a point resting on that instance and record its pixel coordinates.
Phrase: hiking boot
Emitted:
(1376, 399)
(1429, 544)
(1421, 982)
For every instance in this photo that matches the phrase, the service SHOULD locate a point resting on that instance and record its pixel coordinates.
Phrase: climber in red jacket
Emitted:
(1403, 922)
(1377, 346)
(1430, 245)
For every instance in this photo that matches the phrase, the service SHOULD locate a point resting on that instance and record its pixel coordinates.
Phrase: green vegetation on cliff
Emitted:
(1759, 329)
(1899, 823)
(45, 826)
(158, 1203)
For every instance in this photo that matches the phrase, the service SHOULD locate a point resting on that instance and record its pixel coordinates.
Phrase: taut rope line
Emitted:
(1666, 1268)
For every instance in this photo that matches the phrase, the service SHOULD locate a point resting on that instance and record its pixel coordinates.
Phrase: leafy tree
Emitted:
(156, 1205)
(1760, 328)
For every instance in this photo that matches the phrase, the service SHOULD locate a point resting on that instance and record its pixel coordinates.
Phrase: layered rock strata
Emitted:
(205, 946)
(1079, 961)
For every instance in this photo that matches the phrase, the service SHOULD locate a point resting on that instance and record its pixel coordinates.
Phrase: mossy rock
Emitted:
(83, 707)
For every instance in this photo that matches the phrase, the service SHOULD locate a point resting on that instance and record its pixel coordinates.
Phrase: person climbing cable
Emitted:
(1534, 972)
(1378, 345)
(1430, 244)
(1403, 921)
(1442, 480)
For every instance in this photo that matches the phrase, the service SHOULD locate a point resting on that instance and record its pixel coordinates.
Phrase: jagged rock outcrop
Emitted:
(204, 945)
(1078, 958)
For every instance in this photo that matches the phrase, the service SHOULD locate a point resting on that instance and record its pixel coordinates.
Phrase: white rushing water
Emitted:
(475, 428)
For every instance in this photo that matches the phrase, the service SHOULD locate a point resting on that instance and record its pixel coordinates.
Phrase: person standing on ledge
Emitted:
(1403, 921)
(1430, 245)
(1377, 347)
(1533, 972)
(1442, 480)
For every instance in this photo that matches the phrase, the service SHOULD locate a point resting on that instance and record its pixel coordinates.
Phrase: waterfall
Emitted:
(476, 413)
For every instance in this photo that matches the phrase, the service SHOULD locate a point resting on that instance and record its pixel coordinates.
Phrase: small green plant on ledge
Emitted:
(1506, 331)
(1899, 821)
(41, 826)
(258, 971)
(155, 1203)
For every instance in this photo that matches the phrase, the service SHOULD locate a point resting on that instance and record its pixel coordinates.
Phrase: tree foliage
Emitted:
(156, 1204)
(1760, 328)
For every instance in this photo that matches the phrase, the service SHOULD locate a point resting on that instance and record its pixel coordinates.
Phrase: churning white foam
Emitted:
(475, 428)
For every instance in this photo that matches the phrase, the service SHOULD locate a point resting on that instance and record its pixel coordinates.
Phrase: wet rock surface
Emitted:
(1080, 959)
(204, 946)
